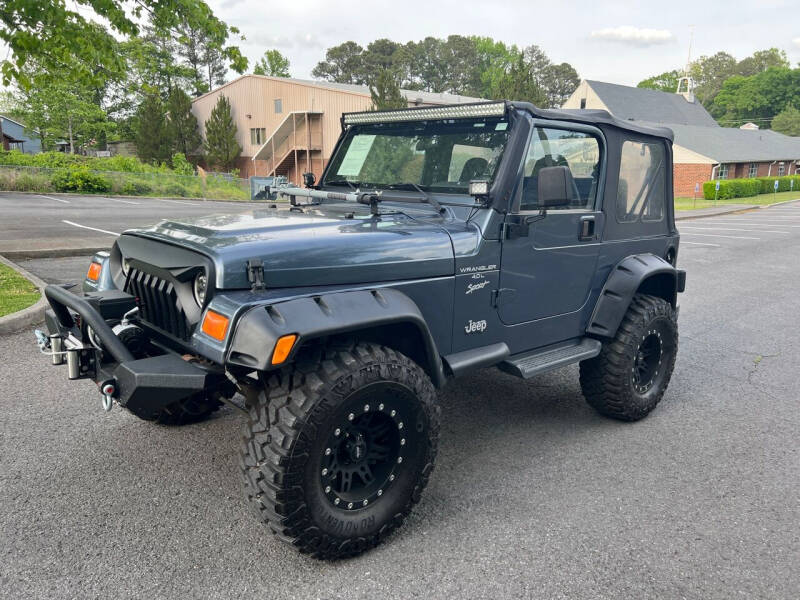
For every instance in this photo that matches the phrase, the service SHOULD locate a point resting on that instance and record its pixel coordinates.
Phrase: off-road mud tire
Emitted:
(289, 427)
(609, 380)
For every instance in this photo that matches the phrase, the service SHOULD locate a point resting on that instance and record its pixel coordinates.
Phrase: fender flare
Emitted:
(311, 317)
(649, 272)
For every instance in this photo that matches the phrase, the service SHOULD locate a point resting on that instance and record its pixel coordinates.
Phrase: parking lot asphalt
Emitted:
(534, 494)
(39, 222)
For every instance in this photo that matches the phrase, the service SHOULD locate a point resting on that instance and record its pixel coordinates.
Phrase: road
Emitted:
(534, 495)
(36, 223)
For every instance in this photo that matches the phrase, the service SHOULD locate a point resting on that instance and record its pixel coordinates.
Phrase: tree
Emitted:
(666, 82)
(220, 144)
(67, 42)
(559, 81)
(709, 73)
(386, 93)
(60, 109)
(756, 98)
(342, 64)
(273, 63)
(152, 141)
(761, 60)
(787, 121)
(181, 125)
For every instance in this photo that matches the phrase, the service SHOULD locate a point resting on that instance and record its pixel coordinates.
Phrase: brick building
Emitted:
(289, 126)
(702, 149)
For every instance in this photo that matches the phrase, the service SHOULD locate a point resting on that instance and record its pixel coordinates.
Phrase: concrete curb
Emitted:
(52, 253)
(717, 214)
(27, 317)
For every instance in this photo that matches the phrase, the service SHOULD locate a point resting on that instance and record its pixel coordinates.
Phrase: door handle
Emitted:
(586, 232)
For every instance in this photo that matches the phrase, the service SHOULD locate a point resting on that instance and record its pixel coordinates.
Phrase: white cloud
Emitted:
(636, 36)
(796, 41)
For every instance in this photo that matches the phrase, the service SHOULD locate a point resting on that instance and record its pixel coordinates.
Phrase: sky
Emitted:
(618, 42)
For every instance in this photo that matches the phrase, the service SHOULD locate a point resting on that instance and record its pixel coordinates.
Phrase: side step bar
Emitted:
(536, 363)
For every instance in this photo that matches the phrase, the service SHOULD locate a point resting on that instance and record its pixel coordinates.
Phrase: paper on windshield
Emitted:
(356, 155)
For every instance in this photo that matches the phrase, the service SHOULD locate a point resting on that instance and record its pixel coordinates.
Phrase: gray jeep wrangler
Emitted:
(437, 241)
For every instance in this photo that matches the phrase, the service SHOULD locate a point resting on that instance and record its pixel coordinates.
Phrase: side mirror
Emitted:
(555, 187)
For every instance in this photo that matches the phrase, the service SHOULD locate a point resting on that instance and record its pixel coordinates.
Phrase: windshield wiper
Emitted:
(343, 181)
(425, 197)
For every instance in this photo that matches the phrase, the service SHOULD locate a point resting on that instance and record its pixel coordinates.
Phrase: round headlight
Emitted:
(200, 288)
(125, 267)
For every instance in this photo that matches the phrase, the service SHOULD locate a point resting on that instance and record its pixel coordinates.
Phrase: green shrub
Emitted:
(784, 183)
(180, 165)
(731, 188)
(81, 179)
(175, 189)
(136, 188)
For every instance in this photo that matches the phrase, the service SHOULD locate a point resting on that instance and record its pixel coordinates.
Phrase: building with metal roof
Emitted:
(16, 136)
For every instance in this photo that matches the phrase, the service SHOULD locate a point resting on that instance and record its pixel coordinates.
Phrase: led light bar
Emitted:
(453, 111)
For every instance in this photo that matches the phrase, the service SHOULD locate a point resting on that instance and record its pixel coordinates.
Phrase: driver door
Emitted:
(548, 260)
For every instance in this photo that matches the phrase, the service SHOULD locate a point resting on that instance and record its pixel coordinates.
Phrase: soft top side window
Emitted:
(641, 191)
(579, 151)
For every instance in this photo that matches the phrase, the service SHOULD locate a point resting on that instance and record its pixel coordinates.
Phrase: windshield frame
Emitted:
(329, 178)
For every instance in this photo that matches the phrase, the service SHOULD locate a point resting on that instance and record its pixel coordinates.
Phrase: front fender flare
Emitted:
(647, 272)
(257, 331)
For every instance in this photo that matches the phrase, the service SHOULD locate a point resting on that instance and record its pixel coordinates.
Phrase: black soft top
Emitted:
(592, 117)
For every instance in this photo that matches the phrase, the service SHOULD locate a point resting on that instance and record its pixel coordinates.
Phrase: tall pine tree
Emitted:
(152, 143)
(182, 129)
(220, 145)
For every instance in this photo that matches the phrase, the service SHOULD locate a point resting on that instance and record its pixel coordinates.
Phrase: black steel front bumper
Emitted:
(80, 334)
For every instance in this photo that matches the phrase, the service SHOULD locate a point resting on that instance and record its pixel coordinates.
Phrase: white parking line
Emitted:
(694, 228)
(180, 202)
(700, 244)
(124, 201)
(56, 199)
(733, 237)
(87, 227)
(751, 224)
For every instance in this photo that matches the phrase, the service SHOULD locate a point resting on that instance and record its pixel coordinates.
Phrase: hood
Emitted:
(319, 248)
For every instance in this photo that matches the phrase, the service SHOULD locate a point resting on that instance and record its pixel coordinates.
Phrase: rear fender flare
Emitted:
(313, 317)
(645, 273)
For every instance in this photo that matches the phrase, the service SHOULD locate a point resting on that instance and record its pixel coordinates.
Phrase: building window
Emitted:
(781, 169)
(753, 170)
(723, 172)
(258, 135)
(278, 106)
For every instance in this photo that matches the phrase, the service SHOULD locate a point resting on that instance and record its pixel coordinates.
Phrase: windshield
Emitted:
(438, 156)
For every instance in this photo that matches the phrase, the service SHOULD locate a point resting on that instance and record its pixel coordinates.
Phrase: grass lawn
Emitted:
(761, 199)
(16, 292)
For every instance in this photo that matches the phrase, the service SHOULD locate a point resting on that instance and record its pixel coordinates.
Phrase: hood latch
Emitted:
(255, 274)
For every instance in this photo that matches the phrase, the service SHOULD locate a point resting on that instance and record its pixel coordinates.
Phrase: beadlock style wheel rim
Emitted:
(647, 360)
(365, 450)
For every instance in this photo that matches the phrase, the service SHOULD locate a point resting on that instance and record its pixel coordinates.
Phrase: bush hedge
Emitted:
(743, 188)
(81, 179)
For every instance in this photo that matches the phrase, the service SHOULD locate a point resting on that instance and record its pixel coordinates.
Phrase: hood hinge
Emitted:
(255, 273)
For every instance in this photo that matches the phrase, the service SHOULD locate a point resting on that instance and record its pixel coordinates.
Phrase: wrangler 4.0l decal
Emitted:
(478, 269)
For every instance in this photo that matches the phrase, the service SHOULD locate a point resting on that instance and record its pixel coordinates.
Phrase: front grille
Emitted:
(158, 303)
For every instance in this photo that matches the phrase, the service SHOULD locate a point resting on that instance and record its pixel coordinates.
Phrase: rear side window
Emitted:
(641, 192)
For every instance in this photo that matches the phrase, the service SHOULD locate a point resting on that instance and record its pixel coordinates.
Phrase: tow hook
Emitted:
(108, 389)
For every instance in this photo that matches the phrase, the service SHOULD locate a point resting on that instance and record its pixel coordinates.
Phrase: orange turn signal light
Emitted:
(283, 347)
(215, 325)
(94, 271)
